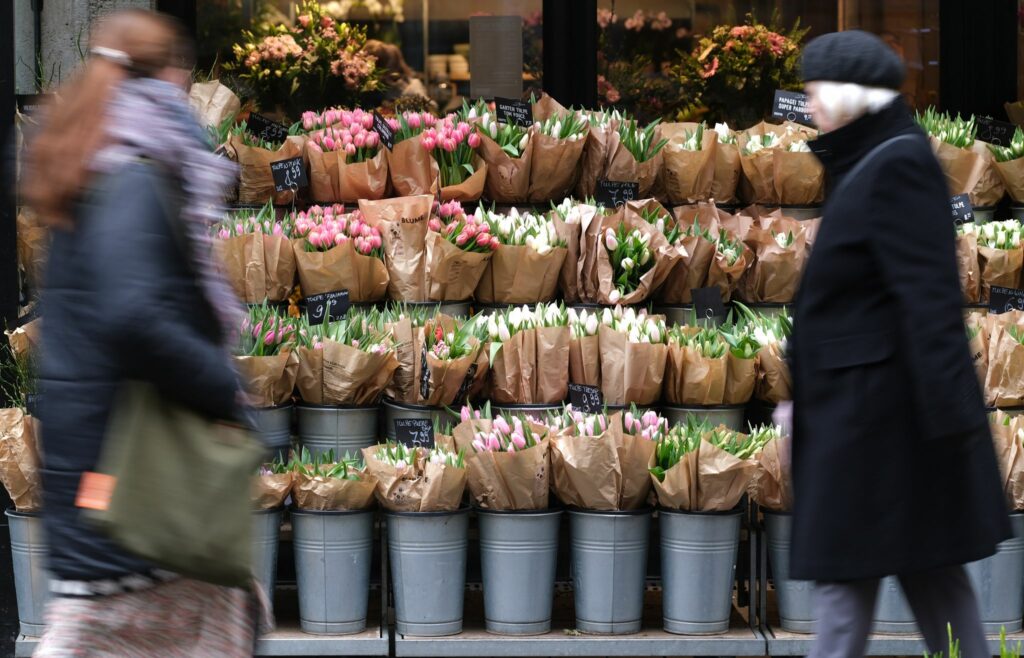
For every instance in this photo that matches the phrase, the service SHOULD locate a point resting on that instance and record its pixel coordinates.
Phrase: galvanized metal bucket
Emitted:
(998, 582)
(537, 412)
(609, 564)
(984, 215)
(795, 597)
(275, 427)
(801, 213)
(266, 530)
(31, 581)
(343, 429)
(518, 552)
(427, 551)
(333, 554)
(730, 415)
(698, 562)
(892, 612)
(395, 410)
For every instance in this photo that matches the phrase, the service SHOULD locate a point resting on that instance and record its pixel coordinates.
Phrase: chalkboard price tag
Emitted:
(708, 304)
(513, 112)
(791, 106)
(384, 131)
(615, 193)
(998, 133)
(327, 306)
(963, 211)
(289, 174)
(266, 129)
(415, 432)
(587, 399)
(1001, 300)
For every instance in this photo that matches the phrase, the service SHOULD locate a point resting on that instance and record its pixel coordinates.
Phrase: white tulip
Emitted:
(606, 315)
(627, 264)
(522, 142)
(503, 332)
(645, 256)
(492, 328)
(591, 325)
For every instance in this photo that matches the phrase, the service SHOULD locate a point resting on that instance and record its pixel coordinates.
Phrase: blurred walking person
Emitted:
(129, 294)
(894, 471)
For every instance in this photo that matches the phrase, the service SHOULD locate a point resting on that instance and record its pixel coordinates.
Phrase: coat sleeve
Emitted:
(133, 257)
(914, 241)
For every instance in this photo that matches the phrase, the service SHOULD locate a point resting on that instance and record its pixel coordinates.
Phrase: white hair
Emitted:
(842, 102)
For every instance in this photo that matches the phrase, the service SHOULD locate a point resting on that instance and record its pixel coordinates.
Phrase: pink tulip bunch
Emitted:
(411, 124)
(467, 232)
(580, 423)
(453, 144)
(313, 121)
(265, 332)
(648, 425)
(244, 222)
(505, 436)
(325, 227)
(351, 132)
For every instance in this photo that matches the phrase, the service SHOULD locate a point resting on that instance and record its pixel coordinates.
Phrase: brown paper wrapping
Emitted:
(447, 378)
(555, 167)
(268, 380)
(269, 491)
(635, 453)
(508, 178)
(341, 268)
(775, 274)
(404, 386)
(319, 493)
(969, 267)
(772, 485)
(256, 185)
(585, 361)
(341, 374)
(979, 344)
(799, 178)
(727, 277)
(213, 102)
(999, 267)
(421, 487)
(741, 375)
(569, 277)
(693, 380)
(532, 367)
(257, 266)
(596, 275)
(774, 381)
(412, 169)
(594, 162)
(19, 460)
(1010, 455)
(505, 481)
(1012, 175)
(24, 340)
(759, 176)
(963, 167)
(630, 372)
(727, 173)
(690, 175)
(990, 189)
(622, 166)
(520, 275)
(709, 480)
(33, 247)
(470, 189)
(452, 273)
(402, 223)
(332, 180)
(1004, 380)
(695, 255)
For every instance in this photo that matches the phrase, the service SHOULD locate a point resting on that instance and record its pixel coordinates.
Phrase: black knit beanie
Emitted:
(853, 56)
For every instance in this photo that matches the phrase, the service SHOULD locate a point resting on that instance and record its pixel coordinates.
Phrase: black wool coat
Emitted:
(120, 302)
(893, 465)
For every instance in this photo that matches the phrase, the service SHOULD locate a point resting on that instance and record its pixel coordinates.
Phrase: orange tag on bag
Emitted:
(95, 490)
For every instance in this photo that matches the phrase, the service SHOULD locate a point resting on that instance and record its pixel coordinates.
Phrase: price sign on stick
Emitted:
(707, 302)
(415, 432)
(1001, 300)
(587, 399)
(615, 193)
(327, 306)
(513, 112)
(384, 131)
(266, 129)
(963, 212)
(998, 133)
(791, 106)
(289, 174)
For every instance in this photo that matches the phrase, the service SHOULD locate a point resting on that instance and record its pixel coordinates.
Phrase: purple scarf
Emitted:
(152, 119)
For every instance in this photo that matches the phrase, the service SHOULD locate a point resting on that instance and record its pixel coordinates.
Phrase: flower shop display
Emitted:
(346, 159)
(266, 363)
(254, 156)
(633, 356)
(779, 247)
(527, 266)
(461, 171)
(409, 162)
(1010, 166)
(689, 162)
(335, 251)
(1000, 253)
(529, 355)
(571, 219)
(507, 149)
(254, 252)
(559, 137)
(316, 62)
(332, 522)
(635, 154)
(968, 164)
(779, 168)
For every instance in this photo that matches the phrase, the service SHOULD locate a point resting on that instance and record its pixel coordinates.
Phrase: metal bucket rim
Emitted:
(295, 511)
(462, 510)
(276, 407)
(678, 512)
(550, 511)
(268, 512)
(707, 407)
(609, 513)
(388, 402)
(312, 405)
(23, 515)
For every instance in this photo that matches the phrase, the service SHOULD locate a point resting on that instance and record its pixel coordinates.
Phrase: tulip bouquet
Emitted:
(254, 155)
(326, 483)
(1005, 355)
(529, 354)
(347, 362)
(346, 162)
(527, 267)
(417, 479)
(774, 381)
(602, 139)
(697, 366)
(407, 325)
(272, 484)
(266, 362)
(695, 247)
(411, 166)
(336, 251)
(451, 361)
(507, 147)
(1011, 152)
(584, 347)
(630, 255)
(779, 252)
(467, 232)
(458, 250)
(729, 263)
(956, 132)
(635, 154)
(689, 169)
(1000, 253)
(968, 164)
(779, 167)
(648, 425)
(1009, 164)
(633, 351)
(772, 484)
(572, 219)
(254, 252)
(453, 144)
(655, 214)
(559, 139)
(759, 143)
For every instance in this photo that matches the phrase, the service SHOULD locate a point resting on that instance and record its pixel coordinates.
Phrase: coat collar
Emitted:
(842, 148)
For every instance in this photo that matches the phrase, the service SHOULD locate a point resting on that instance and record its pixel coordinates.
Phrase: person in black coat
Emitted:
(894, 471)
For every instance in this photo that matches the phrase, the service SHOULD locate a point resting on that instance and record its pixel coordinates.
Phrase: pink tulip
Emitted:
(518, 440)
(367, 120)
(329, 143)
(359, 140)
(429, 119)
(428, 142)
(376, 241)
(479, 446)
(393, 123)
(314, 238)
(473, 140)
(494, 244)
(372, 140)
(501, 425)
(464, 414)
(493, 443)
(650, 418)
(483, 239)
(278, 229)
(225, 234)
(268, 338)
(339, 239)
(470, 230)
(449, 144)
(434, 224)
(413, 120)
(461, 239)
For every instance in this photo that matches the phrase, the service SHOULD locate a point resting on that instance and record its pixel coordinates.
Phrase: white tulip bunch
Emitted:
(524, 229)
(995, 235)
(583, 324)
(761, 142)
(640, 327)
(505, 324)
(511, 138)
(798, 146)
(572, 211)
(571, 126)
(725, 134)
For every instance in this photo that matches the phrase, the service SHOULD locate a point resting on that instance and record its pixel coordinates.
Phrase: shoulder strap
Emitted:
(859, 167)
